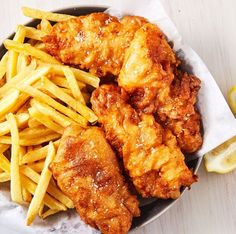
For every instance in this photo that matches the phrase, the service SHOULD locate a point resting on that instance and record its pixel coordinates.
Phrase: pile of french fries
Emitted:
(39, 97)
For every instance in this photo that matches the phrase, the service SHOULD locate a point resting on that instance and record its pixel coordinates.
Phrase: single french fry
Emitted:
(49, 201)
(38, 154)
(21, 120)
(80, 75)
(73, 85)
(45, 120)
(28, 49)
(22, 63)
(41, 208)
(26, 195)
(16, 193)
(52, 190)
(4, 164)
(41, 187)
(22, 152)
(45, 109)
(13, 55)
(45, 25)
(39, 14)
(79, 107)
(8, 102)
(62, 82)
(34, 33)
(3, 65)
(33, 92)
(38, 166)
(4, 177)
(32, 123)
(34, 141)
(49, 212)
(36, 132)
(40, 46)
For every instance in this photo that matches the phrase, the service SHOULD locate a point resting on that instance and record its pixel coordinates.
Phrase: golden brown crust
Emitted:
(95, 42)
(150, 153)
(87, 170)
(150, 74)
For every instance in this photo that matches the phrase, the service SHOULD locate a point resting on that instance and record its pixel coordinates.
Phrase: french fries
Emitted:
(17, 79)
(82, 109)
(4, 177)
(45, 26)
(56, 116)
(45, 120)
(39, 97)
(37, 167)
(16, 193)
(28, 49)
(38, 14)
(34, 33)
(35, 141)
(3, 65)
(21, 120)
(80, 75)
(13, 55)
(49, 201)
(73, 85)
(52, 190)
(41, 187)
(38, 154)
(49, 212)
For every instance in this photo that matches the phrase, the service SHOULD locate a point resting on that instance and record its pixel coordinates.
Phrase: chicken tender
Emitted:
(151, 75)
(150, 153)
(95, 42)
(86, 169)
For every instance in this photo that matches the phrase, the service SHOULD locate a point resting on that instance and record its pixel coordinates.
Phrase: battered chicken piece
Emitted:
(86, 169)
(151, 76)
(150, 153)
(95, 42)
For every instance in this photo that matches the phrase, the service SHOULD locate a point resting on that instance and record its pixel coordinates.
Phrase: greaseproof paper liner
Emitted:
(218, 121)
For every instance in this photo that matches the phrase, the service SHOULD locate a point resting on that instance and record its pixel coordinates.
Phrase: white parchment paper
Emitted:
(218, 121)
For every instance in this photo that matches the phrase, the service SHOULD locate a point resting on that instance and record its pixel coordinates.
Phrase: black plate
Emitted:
(150, 208)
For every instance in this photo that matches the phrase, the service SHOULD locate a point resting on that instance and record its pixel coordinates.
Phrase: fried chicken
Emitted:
(95, 42)
(151, 75)
(87, 170)
(150, 153)
(148, 70)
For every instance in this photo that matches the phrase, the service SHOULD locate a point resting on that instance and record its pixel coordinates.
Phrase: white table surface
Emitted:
(209, 27)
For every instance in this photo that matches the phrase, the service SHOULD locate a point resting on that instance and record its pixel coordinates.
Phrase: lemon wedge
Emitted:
(232, 98)
(223, 158)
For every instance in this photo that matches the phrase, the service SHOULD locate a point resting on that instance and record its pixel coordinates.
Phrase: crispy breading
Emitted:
(86, 169)
(151, 75)
(95, 42)
(150, 153)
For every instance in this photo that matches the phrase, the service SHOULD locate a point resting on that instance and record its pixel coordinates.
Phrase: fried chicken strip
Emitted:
(150, 153)
(87, 170)
(150, 74)
(95, 42)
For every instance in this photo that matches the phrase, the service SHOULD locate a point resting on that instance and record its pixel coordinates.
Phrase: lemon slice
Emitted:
(223, 158)
(232, 98)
